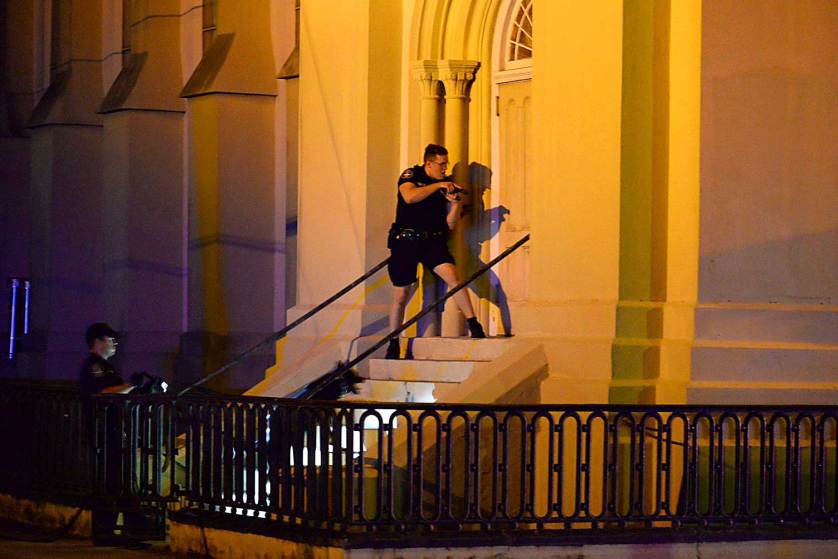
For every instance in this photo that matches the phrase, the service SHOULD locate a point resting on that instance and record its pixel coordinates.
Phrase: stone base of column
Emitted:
(768, 353)
(50, 355)
(201, 353)
(579, 370)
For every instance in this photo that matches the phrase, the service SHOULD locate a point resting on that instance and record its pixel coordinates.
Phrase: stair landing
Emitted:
(435, 361)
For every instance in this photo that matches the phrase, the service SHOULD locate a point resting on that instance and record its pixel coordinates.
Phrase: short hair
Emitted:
(97, 331)
(432, 150)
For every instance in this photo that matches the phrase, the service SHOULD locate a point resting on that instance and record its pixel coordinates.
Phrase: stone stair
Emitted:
(450, 370)
(437, 362)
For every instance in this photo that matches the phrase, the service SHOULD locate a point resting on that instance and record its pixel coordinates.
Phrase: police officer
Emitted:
(97, 374)
(428, 207)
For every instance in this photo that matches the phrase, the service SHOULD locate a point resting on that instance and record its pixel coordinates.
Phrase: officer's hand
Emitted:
(453, 196)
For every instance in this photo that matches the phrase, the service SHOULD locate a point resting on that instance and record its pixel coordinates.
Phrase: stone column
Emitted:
(682, 201)
(144, 211)
(426, 72)
(19, 82)
(575, 202)
(659, 203)
(235, 249)
(66, 196)
(457, 76)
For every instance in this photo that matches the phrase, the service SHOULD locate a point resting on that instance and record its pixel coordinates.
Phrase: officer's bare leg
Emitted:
(400, 295)
(399, 298)
(449, 275)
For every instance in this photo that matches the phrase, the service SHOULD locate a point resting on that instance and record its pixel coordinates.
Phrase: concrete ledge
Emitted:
(459, 349)
(209, 540)
(773, 322)
(223, 536)
(513, 377)
(47, 515)
(420, 371)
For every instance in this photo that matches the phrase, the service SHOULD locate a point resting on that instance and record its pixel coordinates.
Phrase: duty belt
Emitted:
(408, 234)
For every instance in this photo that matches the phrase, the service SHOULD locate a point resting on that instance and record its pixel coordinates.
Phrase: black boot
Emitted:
(393, 349)
(475, 328)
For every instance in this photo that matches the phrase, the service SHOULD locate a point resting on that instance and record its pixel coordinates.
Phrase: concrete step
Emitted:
(420, 370)
(394, 391)
(805, 363)
(456, 349)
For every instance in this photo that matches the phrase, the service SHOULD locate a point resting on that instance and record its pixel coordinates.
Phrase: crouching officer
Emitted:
(428, 207)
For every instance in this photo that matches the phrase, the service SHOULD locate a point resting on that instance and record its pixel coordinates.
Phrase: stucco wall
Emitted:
(769, 163)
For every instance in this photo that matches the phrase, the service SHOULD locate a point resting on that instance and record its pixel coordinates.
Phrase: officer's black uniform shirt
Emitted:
(96, 374)
(427, 215)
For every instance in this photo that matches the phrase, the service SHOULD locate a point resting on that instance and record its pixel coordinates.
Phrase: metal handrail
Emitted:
(327, 379)
(282, 333)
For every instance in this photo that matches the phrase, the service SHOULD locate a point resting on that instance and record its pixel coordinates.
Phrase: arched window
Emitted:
(519, 42)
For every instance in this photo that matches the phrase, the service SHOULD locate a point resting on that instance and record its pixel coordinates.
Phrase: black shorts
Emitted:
(405, 256)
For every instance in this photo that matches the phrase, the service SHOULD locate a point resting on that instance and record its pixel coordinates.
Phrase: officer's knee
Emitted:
(400, 295)
(448, 273)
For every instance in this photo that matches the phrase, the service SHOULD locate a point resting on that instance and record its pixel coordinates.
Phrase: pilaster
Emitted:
(234, 246)
(457, 76)
(575, 196)
(144, 262)
(66, 196)
(426, 73)
(659, 203)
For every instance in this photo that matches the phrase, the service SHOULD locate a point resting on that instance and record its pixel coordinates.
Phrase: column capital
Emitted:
(426, 72)
(458, 76)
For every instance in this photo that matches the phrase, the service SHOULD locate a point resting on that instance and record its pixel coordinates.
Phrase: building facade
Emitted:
(199, 173)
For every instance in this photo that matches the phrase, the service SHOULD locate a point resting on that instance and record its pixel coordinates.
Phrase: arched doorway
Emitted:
(512, 157)
(496, 37)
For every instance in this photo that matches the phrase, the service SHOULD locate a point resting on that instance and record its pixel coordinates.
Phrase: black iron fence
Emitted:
(134, 449)
(354, 466)
(45, 447)
(347, 467)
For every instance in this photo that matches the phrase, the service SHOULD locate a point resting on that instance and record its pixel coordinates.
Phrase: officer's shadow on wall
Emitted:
(487, 225)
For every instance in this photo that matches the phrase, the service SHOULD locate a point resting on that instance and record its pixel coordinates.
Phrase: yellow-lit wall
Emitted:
(659, 201)
(576, 192)
(348, 140)
(657, 127)
(766, 322)
(770, 153)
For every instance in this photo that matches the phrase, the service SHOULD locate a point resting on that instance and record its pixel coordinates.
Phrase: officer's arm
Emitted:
(412, 193)
(118, 389)
(454, 211)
